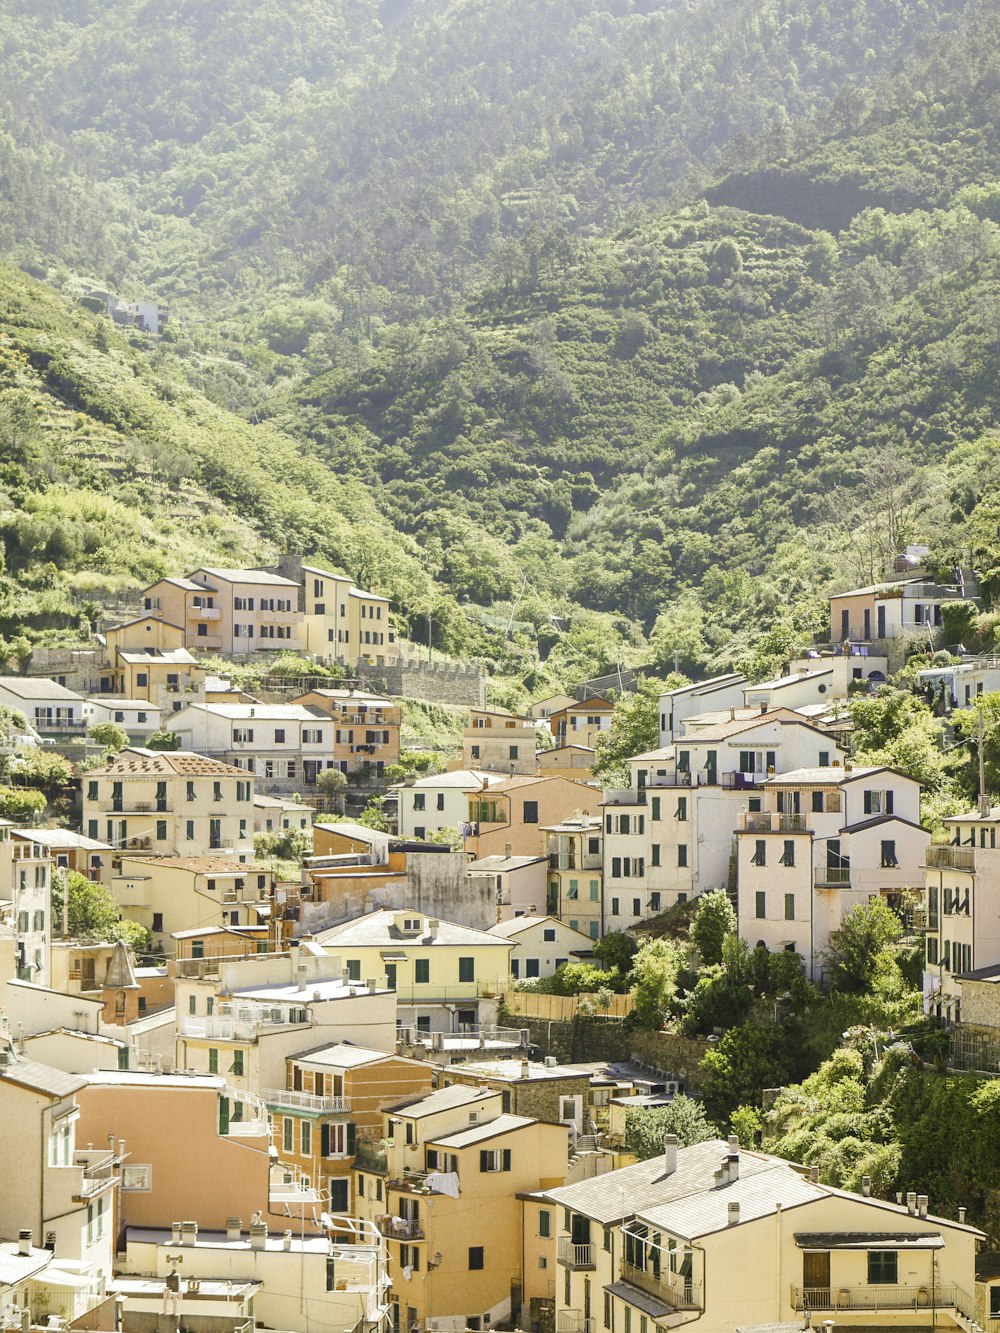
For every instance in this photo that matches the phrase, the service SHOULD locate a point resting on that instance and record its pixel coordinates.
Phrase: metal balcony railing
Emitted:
(572, 1255)
(833, 876)
(401, 1228)
(306, 1101)
(930, 1297)
(951, 858)
(671, 1288)
(574, 1321)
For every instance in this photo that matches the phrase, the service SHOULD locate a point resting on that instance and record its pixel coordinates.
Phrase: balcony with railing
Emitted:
(244, 1024)
(400, 1228)
(413, 1180)
(573, 1255)
(98, 1170)
(951, 858)
(671, 1288)
(204, 613)
(306, 1101)
(933, 1296)
(742, 781)
(574, 1321)
(833, 877)
(370, 1157)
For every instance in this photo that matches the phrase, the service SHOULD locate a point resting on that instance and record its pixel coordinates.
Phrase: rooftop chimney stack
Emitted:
(258, 1235)
(911, 1203)
(234, 1228)
(922, 1205)
(734, 1214)
(733, 1167)
(961, 1215)
(525, 1068)
(175, 1233)
(670, 1144)
(189, 1233)
(866, 1186)
(24, 1241)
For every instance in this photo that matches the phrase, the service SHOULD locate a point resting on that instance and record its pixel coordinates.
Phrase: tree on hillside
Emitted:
(635, 728)
(616, 950)
(746, 1060)
(653, 979)
(714, 920)
(110, 735)
(92, 913)
(646, 1128)
(333, 783)
(864, 940)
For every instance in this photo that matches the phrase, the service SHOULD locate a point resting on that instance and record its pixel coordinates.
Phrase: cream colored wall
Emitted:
(293, 1295)
(491, 965)
(540, 1271)
(236, 815)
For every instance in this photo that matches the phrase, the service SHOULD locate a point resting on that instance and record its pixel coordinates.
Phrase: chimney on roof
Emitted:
(525, 1068)
(866, 1186)
(670, 1144)
(733, 1167)
(508, 850)
(922, 1205)
(175, 1233)
(732, 714)
(432, 927)
(734, 1213)
(286, 1241)
(763, 707)
(961, 1215)
(300, 977)
(258, 1235)
(848, 766)
(189, 1233)
(234, 1228)
(985, 809)
(814, 1174)
(911, 1203)
(24, 1241)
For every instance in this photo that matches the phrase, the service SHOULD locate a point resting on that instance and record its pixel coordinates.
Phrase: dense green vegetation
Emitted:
(603, 334)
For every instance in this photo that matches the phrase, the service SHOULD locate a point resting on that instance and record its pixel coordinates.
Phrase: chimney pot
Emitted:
(911, 1202)
(866, 1186)
(286, 1240)
(234, 1228)
(922, 1204)
(734, 1214)
(670, 1144)
(175, 1233)
(961, 1214)
(733, 1167)
(258, 1235)
(524, 1068)
(24, 1241)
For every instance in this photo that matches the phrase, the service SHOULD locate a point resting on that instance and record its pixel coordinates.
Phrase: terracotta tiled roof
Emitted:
(140, 763)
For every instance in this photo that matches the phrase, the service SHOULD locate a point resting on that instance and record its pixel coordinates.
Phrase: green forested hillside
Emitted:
(637, 318)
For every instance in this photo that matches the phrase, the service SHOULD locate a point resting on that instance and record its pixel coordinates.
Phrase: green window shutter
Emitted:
(506, 1160)
(352, 1138)
(223, 1115)
(324, 1141)
(484, 1160)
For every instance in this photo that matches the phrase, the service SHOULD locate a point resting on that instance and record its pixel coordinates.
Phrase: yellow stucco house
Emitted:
(443, 1189)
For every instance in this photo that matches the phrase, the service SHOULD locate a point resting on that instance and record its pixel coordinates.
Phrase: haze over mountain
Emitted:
(613, 310)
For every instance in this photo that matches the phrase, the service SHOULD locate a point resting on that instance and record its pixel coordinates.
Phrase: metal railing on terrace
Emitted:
(573, 1255)
(671, 1288)
(951, 858)
(946, 1296)
(306, 1101)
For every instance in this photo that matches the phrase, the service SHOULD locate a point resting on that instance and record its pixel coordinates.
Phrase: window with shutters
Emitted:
(467, 969)
(889, 861)
(789, 906)
(494, 1159)
(760, 905)
(475, 1257)
(787, 857)
(422, 970)
(759, 857)
(288, 1134)
(237, 1066)
(682, 854)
